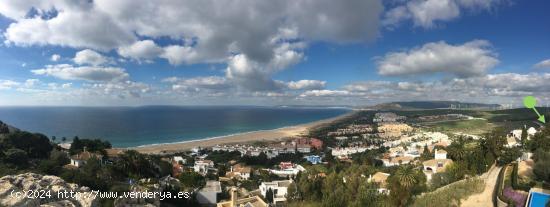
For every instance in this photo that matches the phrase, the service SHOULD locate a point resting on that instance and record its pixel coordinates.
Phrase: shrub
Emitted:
(516, 198)
(515, 184)
(451, 194)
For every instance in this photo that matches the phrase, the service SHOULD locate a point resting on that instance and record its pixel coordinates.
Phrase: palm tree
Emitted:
(406, 176)
(457, 151)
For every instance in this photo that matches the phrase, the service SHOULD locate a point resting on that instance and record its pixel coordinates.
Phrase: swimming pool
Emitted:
(538, 199)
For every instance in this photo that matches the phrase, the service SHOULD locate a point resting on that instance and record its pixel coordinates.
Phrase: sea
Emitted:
(150, 125)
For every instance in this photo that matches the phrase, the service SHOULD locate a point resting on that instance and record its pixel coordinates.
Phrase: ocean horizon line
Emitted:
(131, 127)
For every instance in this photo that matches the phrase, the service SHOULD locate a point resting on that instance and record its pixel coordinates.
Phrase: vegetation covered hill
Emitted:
(25, 152)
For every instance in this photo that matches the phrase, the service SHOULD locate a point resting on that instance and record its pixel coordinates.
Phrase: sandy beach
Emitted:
(264, 135)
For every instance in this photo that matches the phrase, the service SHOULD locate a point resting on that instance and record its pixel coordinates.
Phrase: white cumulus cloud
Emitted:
(271, 35)
(141, 50)
(426, 13)
(306, 85)
(325, 93)
(55, 57)
(469, 59)
(543, 64)
(199, 83)
(8, 84)
(86, 73)
(90, 57)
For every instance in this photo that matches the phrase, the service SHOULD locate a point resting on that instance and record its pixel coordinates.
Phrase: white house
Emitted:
(436, 165)
(239, 172)
(294, 170)
(516, 133)
(179, 159)
(512, 141)
(202, 166)
(380, 178)
(279, 189)
(80, 159)
(395, 161)
(531, 132)
(303, 148)
(208, 195)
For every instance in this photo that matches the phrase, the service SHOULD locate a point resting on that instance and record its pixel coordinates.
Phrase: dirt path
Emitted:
(486, 197)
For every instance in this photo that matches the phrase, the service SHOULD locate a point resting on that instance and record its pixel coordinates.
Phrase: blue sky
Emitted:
(269, 53)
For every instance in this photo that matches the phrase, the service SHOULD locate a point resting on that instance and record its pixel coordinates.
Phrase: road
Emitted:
(485, 198)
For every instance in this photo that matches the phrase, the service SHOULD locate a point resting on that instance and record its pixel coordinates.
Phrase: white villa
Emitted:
(202, 166)
(239, 172)
(380, 178)
(279, 189)
(294, 170)
(395, 161)
(179, 159)
(436, 165)
(80, 159)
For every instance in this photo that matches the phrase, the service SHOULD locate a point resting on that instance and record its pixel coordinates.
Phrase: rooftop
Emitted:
(380, 177)
(86, 156)
(279, 183)
(212, 186)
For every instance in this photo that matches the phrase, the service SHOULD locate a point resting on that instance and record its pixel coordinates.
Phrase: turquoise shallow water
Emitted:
(136, 126)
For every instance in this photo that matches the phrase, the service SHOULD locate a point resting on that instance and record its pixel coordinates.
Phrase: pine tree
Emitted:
(269, 195)
(523, 136)
(426, 155)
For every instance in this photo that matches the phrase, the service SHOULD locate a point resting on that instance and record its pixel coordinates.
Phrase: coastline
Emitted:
(246, 137)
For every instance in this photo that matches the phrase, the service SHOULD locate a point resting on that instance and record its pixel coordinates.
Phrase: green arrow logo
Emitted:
(530, 102)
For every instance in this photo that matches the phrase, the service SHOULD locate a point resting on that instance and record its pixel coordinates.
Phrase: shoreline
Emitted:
(245, 137)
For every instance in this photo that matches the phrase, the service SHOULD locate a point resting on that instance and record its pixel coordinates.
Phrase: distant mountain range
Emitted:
(412, 105)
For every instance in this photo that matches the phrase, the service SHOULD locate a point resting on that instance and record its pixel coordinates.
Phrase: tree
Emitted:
(92, 145)
(406, 176)
(542, 171)
(4, 129)
(337, 198)
(192, 180)
(64, 139)
(457, 151)
(495, 141)
(92, 167)
(49, 167)
(53, 139)
(426, 154)
(269, 195)
(439, 180)
(523, 136)
(541, 140)
(16, 157)
(367, 195)
(542, 166)
(405, 183)
(456, 170)
(509, 155)
(60, 158)
(136, 165)
(35, 145)
(292, 192)
(53, 165)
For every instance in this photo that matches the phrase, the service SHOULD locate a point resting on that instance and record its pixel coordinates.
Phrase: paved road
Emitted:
(485, 198)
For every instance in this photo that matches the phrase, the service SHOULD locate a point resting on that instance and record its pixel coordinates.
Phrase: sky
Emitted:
(285, 52)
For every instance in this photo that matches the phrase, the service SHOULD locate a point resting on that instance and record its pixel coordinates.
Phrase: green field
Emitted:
(475, 126)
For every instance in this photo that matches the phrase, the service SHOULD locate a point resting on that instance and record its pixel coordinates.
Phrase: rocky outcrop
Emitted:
(48, 187)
